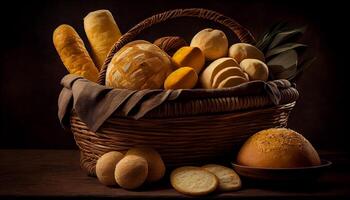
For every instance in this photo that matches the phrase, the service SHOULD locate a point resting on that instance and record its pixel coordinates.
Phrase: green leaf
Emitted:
(302, 67)
(290, 72)
(268, 36)
(283, 61)
(283, 48)
(283, 36)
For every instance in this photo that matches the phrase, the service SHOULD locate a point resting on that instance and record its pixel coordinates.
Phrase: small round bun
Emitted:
(131, 172)
(105, 167)
(193, 181)
(278, 148)
(156, 167)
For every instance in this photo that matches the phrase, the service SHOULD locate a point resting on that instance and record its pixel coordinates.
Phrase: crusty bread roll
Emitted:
(73, 53)
(102, 32)
(193, 181)
(278, 148)
(228, 178)
(131, 172)
(105, 167)
(156, 167)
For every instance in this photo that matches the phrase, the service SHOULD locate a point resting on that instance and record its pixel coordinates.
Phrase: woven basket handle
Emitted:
(242, 33)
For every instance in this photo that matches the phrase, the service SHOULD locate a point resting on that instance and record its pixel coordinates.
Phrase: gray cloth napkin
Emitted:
(94, 103)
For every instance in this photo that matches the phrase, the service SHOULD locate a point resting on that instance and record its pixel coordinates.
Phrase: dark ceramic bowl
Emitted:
(282, 174)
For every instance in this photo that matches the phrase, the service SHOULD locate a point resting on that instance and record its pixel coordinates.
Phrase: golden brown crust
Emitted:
(278, 148)
(73, 53)
(138, 65)
(102, 32)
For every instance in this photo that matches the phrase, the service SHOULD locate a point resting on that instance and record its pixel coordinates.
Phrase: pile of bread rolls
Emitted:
(138, 166)
(206, 63)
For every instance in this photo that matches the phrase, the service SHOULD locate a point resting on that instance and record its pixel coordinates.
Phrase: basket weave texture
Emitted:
(185, 132)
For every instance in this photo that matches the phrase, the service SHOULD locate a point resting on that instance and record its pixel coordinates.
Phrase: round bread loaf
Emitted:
(138, 65)
(278, 148)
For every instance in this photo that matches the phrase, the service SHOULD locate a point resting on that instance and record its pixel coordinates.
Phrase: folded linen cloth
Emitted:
(94, 103)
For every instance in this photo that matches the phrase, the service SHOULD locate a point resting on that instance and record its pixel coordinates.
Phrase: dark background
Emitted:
(31, 69)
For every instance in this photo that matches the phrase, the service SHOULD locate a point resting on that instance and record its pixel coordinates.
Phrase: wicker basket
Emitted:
(185, 132)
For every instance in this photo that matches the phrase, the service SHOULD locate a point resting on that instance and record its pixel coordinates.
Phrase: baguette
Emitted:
(70, 47)
(102, 32)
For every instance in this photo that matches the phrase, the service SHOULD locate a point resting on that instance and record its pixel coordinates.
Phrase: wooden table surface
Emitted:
(56, 174)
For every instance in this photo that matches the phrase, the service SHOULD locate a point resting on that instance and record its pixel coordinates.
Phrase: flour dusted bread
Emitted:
(228, 178)
(71, 49)
(156, 167)
(193, 181)
(278, 148)
(102, 32)
(138, 65)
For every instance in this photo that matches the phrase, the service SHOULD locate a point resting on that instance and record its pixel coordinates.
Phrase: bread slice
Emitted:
(208, 74)
(228, 178)
(193, 181)
(225, 73)
(232, 81)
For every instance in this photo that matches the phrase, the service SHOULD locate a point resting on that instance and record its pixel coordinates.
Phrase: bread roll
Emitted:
(256, 69)
(102, 32)
(241, 51)
(212, 42)
(228, 178)
(278, 148)
(70, 47)
(105, 167)
(156, 167)
(193, 181)
(131, 172)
